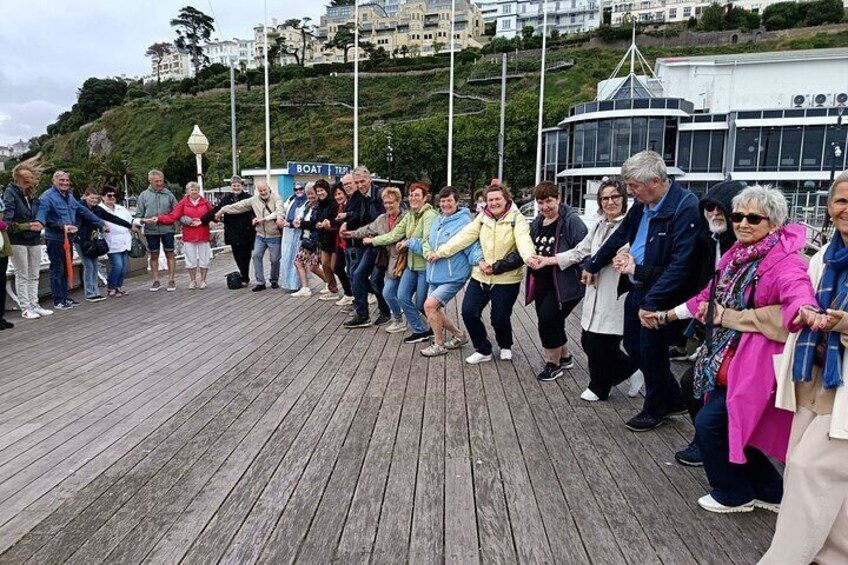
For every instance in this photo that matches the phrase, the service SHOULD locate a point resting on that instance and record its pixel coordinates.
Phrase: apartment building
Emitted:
(564, 16)
(293, 40)
(175, 66)
(242, 52)
(406, 27)
(671, 11)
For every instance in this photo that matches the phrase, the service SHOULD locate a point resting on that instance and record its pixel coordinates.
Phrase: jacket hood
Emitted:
(200, 201)
(722, 195)
(462, 214)
(424, 208)
(510, 206)
(793, 238)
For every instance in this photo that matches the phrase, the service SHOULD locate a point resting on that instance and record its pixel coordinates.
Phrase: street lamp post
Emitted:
(835, 153)
(125, 164)
(198, 144)
(389, 155)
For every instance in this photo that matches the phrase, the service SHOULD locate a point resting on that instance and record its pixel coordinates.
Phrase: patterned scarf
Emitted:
(734, 281)
(832, 293)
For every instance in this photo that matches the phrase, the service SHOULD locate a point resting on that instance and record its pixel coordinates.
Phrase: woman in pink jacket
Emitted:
(189, 212)
(739, 424)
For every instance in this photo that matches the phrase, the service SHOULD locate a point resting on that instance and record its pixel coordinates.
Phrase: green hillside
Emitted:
(311, 120)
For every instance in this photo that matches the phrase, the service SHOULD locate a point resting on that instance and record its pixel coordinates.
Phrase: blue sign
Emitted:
(317, 169)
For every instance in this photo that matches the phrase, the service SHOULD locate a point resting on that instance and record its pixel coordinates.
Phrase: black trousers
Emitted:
(502, 297)
(341, 271)
(687, 385)
(608, 364)
(551, 316)
(4, 264)
(242, 255)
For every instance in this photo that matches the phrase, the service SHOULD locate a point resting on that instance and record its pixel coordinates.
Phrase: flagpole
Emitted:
(267, 103)
(541, 93)
(450, 93)
(356, 85)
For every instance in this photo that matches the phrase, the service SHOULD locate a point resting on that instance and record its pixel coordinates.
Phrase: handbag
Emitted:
(234, 280)
(137, 248)
(94, 247)
(400, 265)
(382, 261)
(511, 262)
(309, 244)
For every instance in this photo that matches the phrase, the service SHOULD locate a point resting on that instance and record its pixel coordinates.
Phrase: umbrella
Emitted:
(69, 261)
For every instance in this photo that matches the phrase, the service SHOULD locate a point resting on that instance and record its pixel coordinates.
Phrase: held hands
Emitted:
(70, 229)
(538, 261)
(833, 318)
(588, 279)
(135, 229)
(36, 226)
(432, 257)
(649, 320)
(255, 221)
(343, 231)
(281, 223)
(401, 245)
(195, 223)
(149, 221)
(485, 268)
(816, 320)
(220, 216)
(341, 216)
(296, 223)
(105, 228)
(367, 240)
(624, 263)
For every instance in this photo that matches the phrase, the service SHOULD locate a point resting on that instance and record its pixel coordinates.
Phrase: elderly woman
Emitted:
(293, 209)
(308, 258)
(602, 319)
(505, 240)
(413, 281)
(739, 425)
(340, 266)
(387, 302)
(239, 232)
(190, 212)
(119, 239)
(812, 526)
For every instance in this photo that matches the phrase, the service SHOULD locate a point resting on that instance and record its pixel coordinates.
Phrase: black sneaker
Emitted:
(566, 362)
(643, 422)
(357, 322)
(678, 354)
(275, 284)
(6, 325)
(258, 287)
(72, 302)
(690, 456)
(382, 319)
(98, 298)
(419, 337)
(551, 372)
(62, 306)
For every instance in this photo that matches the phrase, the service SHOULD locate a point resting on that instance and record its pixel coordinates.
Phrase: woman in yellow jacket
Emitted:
(504, 237)
(415, 224)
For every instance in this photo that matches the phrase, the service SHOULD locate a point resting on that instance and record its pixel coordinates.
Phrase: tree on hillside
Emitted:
(193, 28)
(527, 32)
(98, 95)
(437, 47)
(343, 40)
(307, 31)
(158, 51)
(712, 18)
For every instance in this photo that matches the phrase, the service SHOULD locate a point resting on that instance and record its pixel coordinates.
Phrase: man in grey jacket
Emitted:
(156, 201)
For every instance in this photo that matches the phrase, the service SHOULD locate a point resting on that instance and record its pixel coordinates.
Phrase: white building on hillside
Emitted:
(292, 38)
(19, 148)
(174, 66)
(240, 51)
(565, 16)
(672, 11)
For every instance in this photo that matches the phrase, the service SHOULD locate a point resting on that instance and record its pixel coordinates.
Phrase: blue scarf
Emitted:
(832, 293)
(297, 202)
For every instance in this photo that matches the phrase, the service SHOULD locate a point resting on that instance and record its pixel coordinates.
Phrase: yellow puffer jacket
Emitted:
(498, 238)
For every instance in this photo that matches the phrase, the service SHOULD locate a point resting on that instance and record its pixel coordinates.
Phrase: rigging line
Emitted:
(221, 35)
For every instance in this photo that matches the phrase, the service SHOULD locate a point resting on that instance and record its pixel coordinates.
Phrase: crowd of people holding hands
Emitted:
(768, 379)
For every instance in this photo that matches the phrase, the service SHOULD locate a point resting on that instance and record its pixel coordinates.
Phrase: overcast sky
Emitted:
(49, 47)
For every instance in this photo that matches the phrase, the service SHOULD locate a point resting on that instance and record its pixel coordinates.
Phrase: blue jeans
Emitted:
(732, 484)
(58, 277)
(413, 283)
(649, 349)
(89, 274)
(502, 297)
(259, 246)
(117, 269)
(390, 294)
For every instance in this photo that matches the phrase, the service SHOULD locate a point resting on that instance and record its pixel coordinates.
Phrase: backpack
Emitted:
(234, 280)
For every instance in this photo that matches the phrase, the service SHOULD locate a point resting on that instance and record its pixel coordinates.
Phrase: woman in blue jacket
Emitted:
(445, 277)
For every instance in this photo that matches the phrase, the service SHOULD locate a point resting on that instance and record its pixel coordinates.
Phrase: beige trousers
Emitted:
(812, 526)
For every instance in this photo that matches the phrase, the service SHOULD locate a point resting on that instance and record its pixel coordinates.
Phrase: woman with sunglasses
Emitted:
(739, 425)
(602, 319)
(119, 239)
(91, 265)
(293, 209)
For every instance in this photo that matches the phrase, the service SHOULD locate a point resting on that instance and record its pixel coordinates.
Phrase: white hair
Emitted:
(645, 166)
(155, 173)
(770, 201)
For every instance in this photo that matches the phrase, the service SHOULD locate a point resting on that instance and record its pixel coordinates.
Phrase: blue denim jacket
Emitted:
(56, 211)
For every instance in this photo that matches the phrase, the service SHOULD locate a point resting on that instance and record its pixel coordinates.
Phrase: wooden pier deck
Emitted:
(227, 426)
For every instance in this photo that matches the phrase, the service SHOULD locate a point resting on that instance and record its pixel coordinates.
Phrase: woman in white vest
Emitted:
(119, 239)
(812, 526)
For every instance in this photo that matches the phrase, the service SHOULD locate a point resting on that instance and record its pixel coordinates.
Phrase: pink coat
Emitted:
(752, 417)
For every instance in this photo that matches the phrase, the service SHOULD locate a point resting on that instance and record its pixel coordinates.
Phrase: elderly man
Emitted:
(238, 228)
(58, 211)
(156, 201)
(360, 211)
(266, 207)
(22, 204)
(661, 229)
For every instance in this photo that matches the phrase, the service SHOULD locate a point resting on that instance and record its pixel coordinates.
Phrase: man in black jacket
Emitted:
(239, 233)
(661, 229)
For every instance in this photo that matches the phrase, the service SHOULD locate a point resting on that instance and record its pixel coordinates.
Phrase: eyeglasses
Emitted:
(710, 206)
(613, 198)
(297, 189)
(753, 219)
(110, 195)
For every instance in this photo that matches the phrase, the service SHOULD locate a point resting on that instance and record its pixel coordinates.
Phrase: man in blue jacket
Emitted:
(57, 212)
(662, 230)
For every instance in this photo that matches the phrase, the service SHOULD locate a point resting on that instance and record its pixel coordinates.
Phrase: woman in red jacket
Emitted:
(189, 212)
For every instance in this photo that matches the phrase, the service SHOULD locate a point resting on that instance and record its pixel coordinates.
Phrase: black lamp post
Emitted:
(389, 155)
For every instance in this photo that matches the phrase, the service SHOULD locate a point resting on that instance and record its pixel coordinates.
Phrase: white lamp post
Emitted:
(198, 144)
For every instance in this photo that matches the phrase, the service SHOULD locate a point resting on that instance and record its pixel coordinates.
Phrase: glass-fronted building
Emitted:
(707, 135)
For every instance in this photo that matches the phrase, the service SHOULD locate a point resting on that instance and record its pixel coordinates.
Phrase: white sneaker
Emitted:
(325, 290)
(344, 301)
(477, 358)
(770, 506)
(41, 311)
(506, 355)
(372, 299)
(327, 297)
(397, 326)
(589, 396)
(636, 382)
(304, 291)
(30, 315)
(710, 504)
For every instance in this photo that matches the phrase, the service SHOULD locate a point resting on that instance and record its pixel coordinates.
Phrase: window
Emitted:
(506, 9)
(790, 150)
(769, 149)
(700, 151)
(507, 24)
(621, 140)
(578, 144)
(746, 149)
(684, 150)
(604, 153)
(811, 152)
(638, 134)
(687, 11)
(716, 152)
(590, 138)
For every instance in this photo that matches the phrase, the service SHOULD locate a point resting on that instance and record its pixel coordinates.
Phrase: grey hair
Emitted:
(645, 166)
(362, 170)
(192, 184)
(261, 183)
(60, 174)
(155, 173)
(840, 178)
(770, 200)
(236, 179)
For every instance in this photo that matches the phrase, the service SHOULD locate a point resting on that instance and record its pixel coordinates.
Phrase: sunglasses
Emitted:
(710, 206)
(612, 198)
(110, 195)
(753, 219)
(298, 190)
